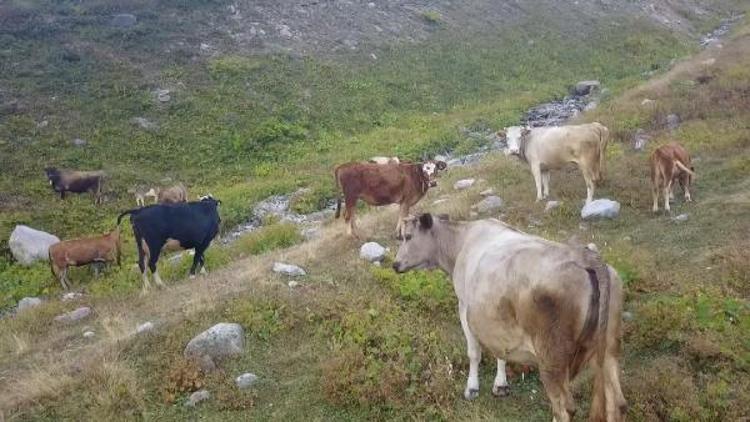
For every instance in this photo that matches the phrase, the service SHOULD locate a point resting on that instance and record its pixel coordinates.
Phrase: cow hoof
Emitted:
(471, 393)
(191, 276)
(500, 390)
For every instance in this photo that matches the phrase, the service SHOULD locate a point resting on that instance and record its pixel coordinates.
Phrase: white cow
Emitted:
(549, 148)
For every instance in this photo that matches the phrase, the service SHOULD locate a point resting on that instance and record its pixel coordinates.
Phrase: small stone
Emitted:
(371, 5)
(143, 123)
(293, 284)
(221, 340)
(288, 269)
(586, 87)
(163, 95)
(627, 316)
(372, 252)
(124, 20)
(373, 56)
(42, 124)
(79, 142)
(681, 218)
(75, 315)
(640, 140)
(489, 204)
(28, 303)
(205, 363)
(145, 327)
(70, 296)
(246, 380)
(647, 102)
(487, 192)
(591, 106)
(551, 205)
(88, 334)
(600, 208)
(197, 397)
(439, 201)
(673, 121)
(463, 184)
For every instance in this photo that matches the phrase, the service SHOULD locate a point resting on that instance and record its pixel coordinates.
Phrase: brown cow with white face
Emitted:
(383, 184)
(528, 300)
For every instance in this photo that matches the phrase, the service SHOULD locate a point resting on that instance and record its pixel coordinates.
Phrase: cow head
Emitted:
(209, 199)
(53, 175)
(513, 137)
(430, 169)
(419, 247)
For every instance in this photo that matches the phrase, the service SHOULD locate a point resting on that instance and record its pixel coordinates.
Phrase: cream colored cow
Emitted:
(550, 148)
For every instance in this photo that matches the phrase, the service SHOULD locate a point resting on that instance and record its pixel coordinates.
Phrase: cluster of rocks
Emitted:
(556, 113)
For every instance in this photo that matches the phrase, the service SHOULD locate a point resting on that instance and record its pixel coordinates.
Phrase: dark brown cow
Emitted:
(670, 162)
(383, 184)
(78, 252)
(76, 181)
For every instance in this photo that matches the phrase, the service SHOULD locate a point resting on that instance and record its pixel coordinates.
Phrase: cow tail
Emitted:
(603, 141)
(601, 272)
(683, 167)
(124, 213)
(338, 192)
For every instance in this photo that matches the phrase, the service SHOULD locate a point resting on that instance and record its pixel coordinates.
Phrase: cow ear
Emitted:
(441, 165)
(501, 134)
(425, 221)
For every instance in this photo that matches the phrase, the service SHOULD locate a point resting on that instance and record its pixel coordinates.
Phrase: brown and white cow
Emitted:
(550, 148)
(528, 300)
(84, 251)
(383, 184)
(668, 163)
(76, 181)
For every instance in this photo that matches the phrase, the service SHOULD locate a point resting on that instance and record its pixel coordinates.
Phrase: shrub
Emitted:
(428, 290)
(268, 238)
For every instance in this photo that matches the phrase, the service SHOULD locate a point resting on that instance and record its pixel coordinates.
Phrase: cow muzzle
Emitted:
(397, 267)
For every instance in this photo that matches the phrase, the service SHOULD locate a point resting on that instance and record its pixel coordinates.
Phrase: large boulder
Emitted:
(28, 245)
(220, 341)
(489, 204)
(27, 303)
(600, 208)
(75, 315)
(372, 251)
(463, 184)
(586, 87)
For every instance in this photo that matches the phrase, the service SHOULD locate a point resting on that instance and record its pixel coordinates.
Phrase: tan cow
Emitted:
(528, 300)
(668, 163)
(383, 184)
(550, 148)
(78, 252)
(173, 194)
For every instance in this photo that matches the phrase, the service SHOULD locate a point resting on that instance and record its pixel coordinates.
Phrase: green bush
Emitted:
(428, 290)
(267, 238)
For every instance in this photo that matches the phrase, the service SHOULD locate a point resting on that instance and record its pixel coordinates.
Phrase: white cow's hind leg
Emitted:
(500, 387)
(474, 352)
(667, 190)
(537, 173)
(146, 283)
(157, 279)
(545, 184)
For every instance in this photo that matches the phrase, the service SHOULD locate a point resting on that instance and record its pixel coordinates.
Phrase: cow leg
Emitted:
(589, 178)
(667, 191)
(557, 387)
(500, 387)
(155, 251)
(545, 184)
(536, 171)
(685, 184)
(197, 259)
(474, 352)
(402, 215)
(64, 278)
(62, 194)
(655, 196)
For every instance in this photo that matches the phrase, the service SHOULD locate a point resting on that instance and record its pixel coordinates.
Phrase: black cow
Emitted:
(76, 181)
(189, 225)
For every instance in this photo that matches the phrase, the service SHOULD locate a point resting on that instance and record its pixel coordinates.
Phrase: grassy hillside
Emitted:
(355, 341)
(245, 126)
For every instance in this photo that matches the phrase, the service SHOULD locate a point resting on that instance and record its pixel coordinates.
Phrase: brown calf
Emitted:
(383, 184)
(668, 163)
(78, 252)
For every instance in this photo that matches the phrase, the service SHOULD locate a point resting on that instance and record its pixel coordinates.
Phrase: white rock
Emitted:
(28, 245)
(288, 269)
(70, 296)
(143, 123)
(487, 192)
(600, 208)
(197, 397)
(79, 142)
(463, 184)
(75, 315)
(163, 95)
(221, 340)
(647, 102)
(681, 218)
(145, 327)
(88, 334)
(439, 201)
(246, 380)
(372, 252)
(587, 87)
(551, 205)
(293, 284)
(627, 316)
(489, 204)
(28, 303)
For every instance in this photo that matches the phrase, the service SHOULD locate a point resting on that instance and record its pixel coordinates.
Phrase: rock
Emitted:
(284, 31)
(245, 380)
(197, 397)
(681, 218)
(163, 95)
(627, 316)
(220, 341)
(489, 204)
(648, 103)
(42, 124)
(463, 184)
(70, 296)
(293, 284)
(88, 334)
(591, 106)
(288, 269)
(28, 303)
(205, 363)
(673, 121)
(586, 87)
(487, 192)
(372, 252)
(74, 316)
(144, 123)
(371, 5)
(551, 205)
(28, 245)
(439, 201)
(600, 208)
(79, 142)
(310, 233)
(124, 20)
(144, 328)
(640, 140)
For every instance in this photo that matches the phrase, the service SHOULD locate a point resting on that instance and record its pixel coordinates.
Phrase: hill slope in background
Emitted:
(261, 108)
